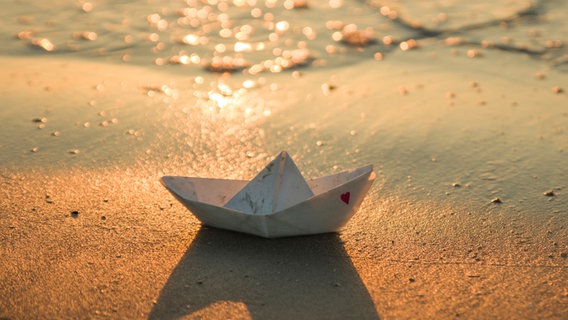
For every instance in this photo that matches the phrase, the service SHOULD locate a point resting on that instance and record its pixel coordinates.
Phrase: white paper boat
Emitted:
(278, 202)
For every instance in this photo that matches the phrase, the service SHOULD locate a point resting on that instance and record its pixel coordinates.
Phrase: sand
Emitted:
(87, 230)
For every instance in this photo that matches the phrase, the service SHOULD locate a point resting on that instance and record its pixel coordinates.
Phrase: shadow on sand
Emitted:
(292, 278)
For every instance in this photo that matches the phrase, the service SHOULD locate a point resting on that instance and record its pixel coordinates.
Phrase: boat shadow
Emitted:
(307, 277)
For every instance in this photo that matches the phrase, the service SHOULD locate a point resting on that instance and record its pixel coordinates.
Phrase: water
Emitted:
(186, 35)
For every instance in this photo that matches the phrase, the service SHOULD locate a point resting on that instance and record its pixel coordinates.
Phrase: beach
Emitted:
(461, 109)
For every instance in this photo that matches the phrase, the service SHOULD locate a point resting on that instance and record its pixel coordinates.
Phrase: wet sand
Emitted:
(101, 240)
(467, 218)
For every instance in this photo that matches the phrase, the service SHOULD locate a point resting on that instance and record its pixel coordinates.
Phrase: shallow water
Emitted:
(185, 35)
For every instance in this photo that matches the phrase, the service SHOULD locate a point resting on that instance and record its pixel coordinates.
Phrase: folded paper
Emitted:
(278, 202)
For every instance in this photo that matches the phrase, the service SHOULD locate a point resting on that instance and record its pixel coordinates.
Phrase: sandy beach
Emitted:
(461, 109)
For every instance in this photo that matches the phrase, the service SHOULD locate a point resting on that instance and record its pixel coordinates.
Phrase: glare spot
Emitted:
(336, 36)
(226, 64)
(408, 44)
(242, 47)
(389, 13)
(191, 39)
(309, 33)
(225, 33)
(87, 7)
(153, 37)
(331, 49)
(162, 25)
(89, 36)
(249, 84)
(282, 26)
(153, 18)
(351, 35)
(220, 48)
(295, 4)
(183, 59)
(256, 13)
(44, 44)
(335, 4)
(334, 25)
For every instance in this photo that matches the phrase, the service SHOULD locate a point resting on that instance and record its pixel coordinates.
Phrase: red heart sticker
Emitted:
(345, 197)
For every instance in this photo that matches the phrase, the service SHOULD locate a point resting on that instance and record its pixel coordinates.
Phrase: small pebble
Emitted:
(40, 120)
(557, 89)
(75, 213)
(549, 193)
(326, 88)
(472, 53)
(496, 200)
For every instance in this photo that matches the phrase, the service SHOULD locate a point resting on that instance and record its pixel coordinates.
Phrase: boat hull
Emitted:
(336, 199)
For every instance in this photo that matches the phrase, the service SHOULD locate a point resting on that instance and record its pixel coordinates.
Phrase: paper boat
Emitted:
(278, 202)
